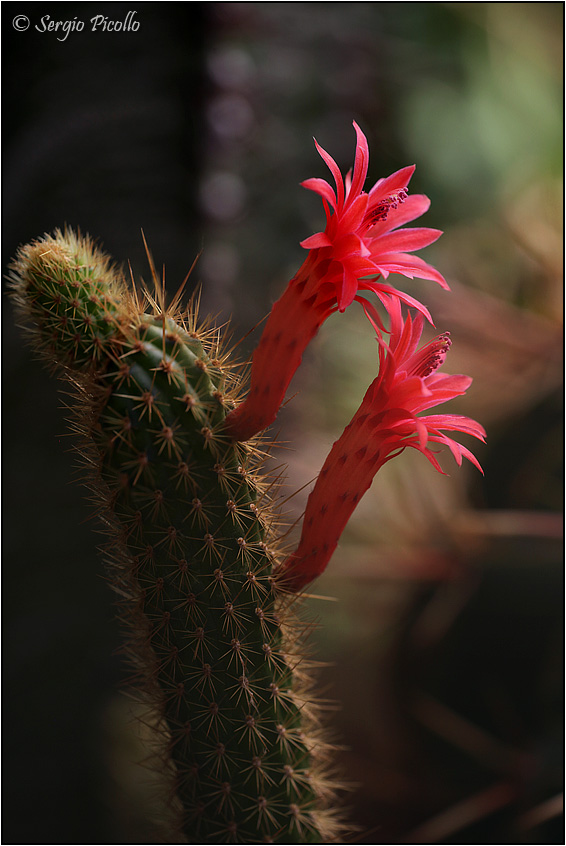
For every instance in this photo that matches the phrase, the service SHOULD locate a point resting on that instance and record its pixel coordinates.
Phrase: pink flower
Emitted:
(362, 236)
(386, 422)
(360, 246)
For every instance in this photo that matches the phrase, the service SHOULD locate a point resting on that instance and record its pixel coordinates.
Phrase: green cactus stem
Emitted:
(216, 645)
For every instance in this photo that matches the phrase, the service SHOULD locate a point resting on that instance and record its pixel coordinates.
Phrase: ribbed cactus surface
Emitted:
(189, 524)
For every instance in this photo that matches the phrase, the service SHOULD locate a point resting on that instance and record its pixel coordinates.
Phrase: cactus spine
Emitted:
(187, 512)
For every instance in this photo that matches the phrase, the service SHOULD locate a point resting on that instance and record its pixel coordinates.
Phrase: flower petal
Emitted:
(410, 209)
(351, 245)
(456, 423)
(405, 240)
(349, 289)
(372, 315)
(316, 242)
(410, 266)
(457, 450)
(384, 291)
(391, 184)
(321, 187)
(335, 171)
(361, 162)
(352, 219)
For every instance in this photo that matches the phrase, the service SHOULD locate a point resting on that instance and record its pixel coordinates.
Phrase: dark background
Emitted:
(446, 639)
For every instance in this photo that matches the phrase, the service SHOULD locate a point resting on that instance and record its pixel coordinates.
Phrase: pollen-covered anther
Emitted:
(381, 211)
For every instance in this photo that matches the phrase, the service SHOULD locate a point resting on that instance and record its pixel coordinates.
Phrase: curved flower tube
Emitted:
(358, 249)
(386, 422)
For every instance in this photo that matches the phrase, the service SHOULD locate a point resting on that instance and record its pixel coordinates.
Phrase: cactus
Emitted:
(209, 601)
(189, 519)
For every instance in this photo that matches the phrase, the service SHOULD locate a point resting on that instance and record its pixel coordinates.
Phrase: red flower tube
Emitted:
(361, 244)
(386, 423)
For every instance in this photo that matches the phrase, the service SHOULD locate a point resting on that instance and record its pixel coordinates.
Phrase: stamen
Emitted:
(430, 357)
(381, 211)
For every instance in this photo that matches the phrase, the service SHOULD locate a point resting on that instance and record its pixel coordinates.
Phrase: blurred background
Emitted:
(445, 630)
